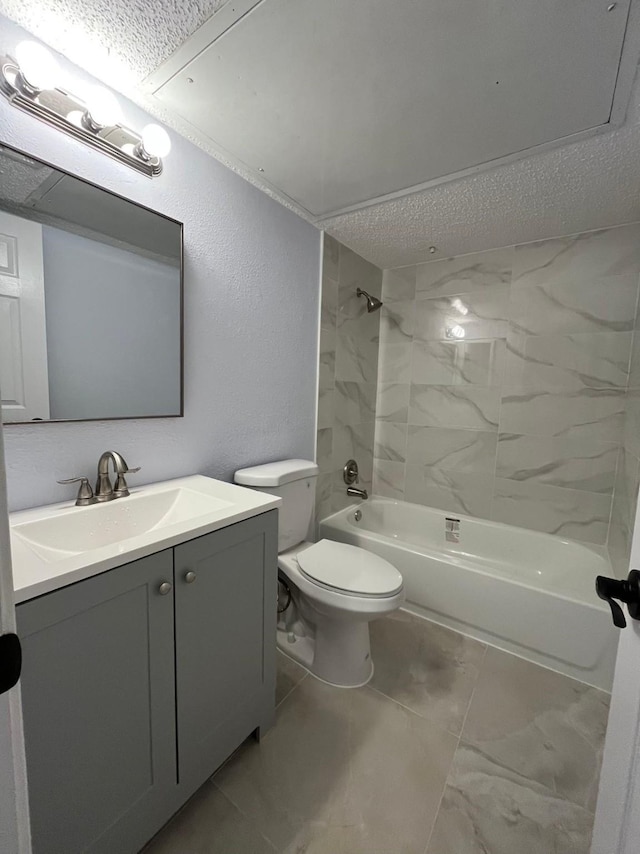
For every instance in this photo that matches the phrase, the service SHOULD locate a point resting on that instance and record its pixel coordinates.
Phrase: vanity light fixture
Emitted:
(29, 83)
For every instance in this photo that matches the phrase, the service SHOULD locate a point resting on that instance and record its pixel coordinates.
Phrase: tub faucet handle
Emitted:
(627, 591)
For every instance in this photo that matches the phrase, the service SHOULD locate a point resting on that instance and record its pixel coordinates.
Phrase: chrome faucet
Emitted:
(357, 492)
(104, 490)
(351, 475)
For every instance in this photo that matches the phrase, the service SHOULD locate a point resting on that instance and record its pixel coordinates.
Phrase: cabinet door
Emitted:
(225, 642)
(99, 710)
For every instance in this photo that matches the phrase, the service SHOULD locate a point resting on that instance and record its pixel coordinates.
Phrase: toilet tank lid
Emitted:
(275, 474)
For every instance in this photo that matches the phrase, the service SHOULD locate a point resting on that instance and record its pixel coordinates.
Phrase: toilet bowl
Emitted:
(331, 591)
(326, 627)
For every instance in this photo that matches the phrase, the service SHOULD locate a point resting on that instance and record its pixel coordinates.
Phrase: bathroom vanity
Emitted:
(143, 673)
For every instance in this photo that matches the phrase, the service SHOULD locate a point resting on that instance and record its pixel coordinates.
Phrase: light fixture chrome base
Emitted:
(72, 115)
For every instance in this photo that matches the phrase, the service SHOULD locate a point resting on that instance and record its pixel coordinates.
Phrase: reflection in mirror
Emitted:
(90, 300)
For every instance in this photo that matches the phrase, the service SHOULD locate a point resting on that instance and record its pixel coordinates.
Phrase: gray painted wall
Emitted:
(251, 321)
(113, 329)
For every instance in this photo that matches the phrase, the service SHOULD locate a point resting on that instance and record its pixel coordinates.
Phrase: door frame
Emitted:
(15, 832)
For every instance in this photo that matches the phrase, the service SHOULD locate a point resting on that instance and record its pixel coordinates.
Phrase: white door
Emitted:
(24, 379)
(14, 809)
(617, 823)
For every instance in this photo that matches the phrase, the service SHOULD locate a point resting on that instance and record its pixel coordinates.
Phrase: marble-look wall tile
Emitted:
(571, 513)
(569, 307)
(392, 402)
(466, 273)
(568, 463)
(570, 362)
(469, 316)
(324, 449)
(588, 414)
(394, 363)
(623, 511)
(327, 358)
(538, 344)
(329, 303)
(397, 322)
(472, 451)
(388, 479)
(354, 403)
(330, 257)
(593, 255)
(390, 441)
(465, 407)
(399, 284)
(457, 492)
(458, 363)
(348, 374)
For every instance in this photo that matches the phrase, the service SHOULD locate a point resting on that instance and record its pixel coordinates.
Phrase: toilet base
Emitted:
(338, 652)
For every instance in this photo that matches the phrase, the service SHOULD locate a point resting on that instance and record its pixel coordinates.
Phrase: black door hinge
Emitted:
(10, 661)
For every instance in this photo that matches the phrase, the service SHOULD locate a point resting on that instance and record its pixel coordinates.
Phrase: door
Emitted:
(225, 643)
(99, 710)
(617, 822)
(14, 809)
(24, 379)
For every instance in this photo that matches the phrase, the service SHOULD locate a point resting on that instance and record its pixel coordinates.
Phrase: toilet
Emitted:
(328, 592)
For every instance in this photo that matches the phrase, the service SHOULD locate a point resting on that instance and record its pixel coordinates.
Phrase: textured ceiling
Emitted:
(585, 185)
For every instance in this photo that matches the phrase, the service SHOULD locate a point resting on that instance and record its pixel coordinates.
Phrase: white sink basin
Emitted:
(60, 543)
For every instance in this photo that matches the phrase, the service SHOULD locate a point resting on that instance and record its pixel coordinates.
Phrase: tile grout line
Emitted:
(411, 711)
(249, 820)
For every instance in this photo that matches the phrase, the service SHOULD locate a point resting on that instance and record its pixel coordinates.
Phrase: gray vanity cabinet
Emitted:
(98, 697)
(139, 682)
(225, 672)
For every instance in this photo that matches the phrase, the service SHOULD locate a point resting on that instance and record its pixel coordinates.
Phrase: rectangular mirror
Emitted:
(90, 300)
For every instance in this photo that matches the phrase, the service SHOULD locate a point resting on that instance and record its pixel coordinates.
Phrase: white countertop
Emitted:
(39, 568)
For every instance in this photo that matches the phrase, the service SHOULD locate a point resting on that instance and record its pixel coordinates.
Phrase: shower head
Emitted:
(373, 303)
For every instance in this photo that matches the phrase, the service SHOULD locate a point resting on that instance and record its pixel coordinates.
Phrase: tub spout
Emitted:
(358, 493)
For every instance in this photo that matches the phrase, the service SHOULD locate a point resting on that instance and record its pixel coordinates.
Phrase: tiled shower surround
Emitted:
(502, 385)
(348, 373)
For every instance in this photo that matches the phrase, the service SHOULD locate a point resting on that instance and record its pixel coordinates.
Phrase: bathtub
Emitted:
(529, 593)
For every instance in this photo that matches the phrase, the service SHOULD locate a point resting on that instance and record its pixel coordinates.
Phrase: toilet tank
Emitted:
(292, 480)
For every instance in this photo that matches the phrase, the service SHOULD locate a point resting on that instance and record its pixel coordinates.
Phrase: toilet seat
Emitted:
(349, 569)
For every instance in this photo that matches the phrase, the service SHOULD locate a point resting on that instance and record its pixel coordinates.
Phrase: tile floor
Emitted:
(453, 748)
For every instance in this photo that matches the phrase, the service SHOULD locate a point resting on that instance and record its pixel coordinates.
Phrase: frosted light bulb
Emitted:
(156, 141)
(37, 65)
(103, 107)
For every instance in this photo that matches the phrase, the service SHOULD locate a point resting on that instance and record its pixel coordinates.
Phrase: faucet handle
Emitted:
(121, 490)
(85, 493)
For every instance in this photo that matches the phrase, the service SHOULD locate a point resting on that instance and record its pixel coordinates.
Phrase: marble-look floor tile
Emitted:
(540, 725)
(568, 463)
(345, 772)
(593, 414)
(586, 257)
(571, 513)
(425, 667)
(390, 441)
(470, 316)
(388, 479)
(289, 674)
(472, 451)
(489, 809)
(209, 824)
(466, 273)
(464, 407)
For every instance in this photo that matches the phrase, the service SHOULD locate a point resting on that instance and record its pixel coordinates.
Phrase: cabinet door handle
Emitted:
(164, 588)
(190, 577)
